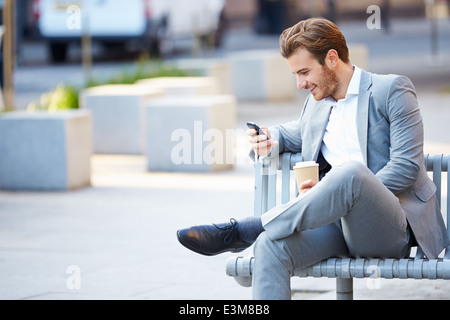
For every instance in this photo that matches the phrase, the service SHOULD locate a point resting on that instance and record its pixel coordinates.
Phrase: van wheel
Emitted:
(58, 51)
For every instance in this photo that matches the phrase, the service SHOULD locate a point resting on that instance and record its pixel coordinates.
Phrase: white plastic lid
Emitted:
(304, 164)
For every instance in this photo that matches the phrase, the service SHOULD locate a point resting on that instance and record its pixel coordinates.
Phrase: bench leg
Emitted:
(344, 289)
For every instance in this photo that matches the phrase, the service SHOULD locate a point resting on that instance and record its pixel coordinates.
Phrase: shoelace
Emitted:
(232, 228)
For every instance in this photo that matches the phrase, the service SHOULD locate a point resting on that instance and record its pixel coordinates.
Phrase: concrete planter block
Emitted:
(45, 151)
(261, 75)
(116, 112)
(190, 135)
(216, 68)
(185, 86)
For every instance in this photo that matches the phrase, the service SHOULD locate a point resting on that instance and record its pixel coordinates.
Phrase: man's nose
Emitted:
(301, 83)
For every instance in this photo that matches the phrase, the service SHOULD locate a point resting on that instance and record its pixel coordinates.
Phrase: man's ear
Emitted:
(332, 58)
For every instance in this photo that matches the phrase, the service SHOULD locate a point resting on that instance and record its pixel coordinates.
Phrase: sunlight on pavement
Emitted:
(130, 171)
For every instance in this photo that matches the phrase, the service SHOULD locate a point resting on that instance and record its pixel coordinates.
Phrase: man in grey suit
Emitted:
(374, 198)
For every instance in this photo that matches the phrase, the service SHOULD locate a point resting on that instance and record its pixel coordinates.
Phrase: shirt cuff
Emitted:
(257, 158)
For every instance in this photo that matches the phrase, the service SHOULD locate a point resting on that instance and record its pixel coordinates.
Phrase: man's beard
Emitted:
(328, 86)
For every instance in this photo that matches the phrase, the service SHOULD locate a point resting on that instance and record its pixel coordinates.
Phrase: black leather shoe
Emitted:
(212, 239)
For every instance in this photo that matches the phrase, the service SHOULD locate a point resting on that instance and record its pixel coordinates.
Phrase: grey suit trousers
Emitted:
(348, 213)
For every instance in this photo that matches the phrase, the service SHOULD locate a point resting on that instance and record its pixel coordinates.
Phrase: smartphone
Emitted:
(257, 128)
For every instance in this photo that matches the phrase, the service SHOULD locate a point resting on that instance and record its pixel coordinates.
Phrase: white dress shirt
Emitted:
(340, 141)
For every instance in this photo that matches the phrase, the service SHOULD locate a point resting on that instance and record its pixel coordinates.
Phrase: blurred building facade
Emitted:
(273, 16)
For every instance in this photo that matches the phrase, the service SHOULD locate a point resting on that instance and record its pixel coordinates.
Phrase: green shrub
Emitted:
(66, 97)
(62, 98)
(143, 69)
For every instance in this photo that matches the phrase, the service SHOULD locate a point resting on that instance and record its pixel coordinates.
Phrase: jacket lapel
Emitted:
(319, 120)
(318, 124)
(362, 113)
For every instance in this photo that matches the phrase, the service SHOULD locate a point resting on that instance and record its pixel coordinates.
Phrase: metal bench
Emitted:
(345, 269)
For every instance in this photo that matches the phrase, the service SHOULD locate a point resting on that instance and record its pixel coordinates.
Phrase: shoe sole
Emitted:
(205, 253)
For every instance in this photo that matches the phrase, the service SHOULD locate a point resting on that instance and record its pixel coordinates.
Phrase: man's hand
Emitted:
(260, 143)
(306, 185)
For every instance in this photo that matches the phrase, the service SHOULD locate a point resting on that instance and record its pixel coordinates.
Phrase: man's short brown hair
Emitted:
(318, 36)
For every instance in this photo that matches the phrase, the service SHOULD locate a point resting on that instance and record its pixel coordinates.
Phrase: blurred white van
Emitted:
(149, 24)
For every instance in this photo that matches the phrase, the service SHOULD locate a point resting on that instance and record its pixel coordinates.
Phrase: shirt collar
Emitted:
(353, 86)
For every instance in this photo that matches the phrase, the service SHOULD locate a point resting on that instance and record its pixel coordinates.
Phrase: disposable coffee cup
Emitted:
(306, 170)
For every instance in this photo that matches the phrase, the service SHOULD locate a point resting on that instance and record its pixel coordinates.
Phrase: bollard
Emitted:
(344, 289)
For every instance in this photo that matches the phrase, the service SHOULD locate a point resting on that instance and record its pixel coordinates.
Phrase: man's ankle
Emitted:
(249, 228)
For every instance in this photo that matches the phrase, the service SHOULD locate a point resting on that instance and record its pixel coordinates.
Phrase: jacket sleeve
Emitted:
(406, 136)
(288, 135)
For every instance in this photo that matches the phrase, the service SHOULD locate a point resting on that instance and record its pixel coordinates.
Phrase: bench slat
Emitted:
(286, 177)
(437, 172)
(346, 268)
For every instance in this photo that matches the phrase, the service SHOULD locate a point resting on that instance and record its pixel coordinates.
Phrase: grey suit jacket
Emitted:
(390, 134)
